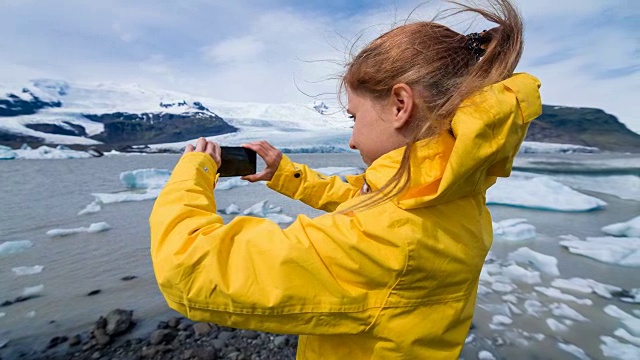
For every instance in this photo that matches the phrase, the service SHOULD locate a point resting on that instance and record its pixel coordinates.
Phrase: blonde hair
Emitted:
(438, 63)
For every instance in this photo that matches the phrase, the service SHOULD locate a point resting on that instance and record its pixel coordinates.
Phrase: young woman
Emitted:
(391, 272)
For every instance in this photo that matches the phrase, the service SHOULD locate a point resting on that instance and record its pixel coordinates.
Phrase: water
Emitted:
(40, 195)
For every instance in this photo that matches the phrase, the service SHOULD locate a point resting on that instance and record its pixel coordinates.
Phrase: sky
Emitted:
(585, 52)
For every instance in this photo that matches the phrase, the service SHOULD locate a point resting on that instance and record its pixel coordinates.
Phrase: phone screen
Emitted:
(237, 161)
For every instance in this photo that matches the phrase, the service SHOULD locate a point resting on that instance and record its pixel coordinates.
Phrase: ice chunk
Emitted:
(514, 230)
(610, 250)
(624, 334)
(342, 172)
(514, 309)
(496, 309)
(145, 178)
(32, 290)
(279, 218)
(586, 286)
(556, 326)
(27, 270)
(534, 307)
(126, 196)
(2, 314)
(483, 290)
(502, 287)
(534, 147)
(630, 228)
(631, 322)
(231, 183)
(557, 294)
(259, 209)
(615, 349)
(12, 247)
(93, 228)
(545, 263)
(30, 315)
(632, 296)
(510, 298)
(540, 193)
(485, 355)
(501, 320)
(232, 209)
(574, 350)
(521, 274)
(93, 207)
(469, 339)
(6, 153)
(45, 152)
(563, 310)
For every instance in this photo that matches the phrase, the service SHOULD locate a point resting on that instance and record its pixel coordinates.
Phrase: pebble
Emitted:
(201, 329)
(162, 337)
(94, 292)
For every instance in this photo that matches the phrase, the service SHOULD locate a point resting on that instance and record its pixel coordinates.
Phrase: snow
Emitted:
(27, 270)
(540, 192)
(630, 228)
(545, 263)
(521, 274)
(610, 250)
(616, 349)
(12, 247)
(574, 350)
(145, 178)
(514, 230)
(93, 228)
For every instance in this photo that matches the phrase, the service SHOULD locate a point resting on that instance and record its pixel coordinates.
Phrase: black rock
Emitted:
(57, 340)
(128, 278)
(94, 292)
(118, 321)
(162, 337)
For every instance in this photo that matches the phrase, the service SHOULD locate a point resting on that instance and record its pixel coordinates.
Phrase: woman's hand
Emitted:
(207, 147)
(271, 157)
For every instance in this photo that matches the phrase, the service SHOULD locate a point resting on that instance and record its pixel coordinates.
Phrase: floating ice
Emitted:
(610, 250)
(126, 196)
(545, 263)
(557, 294)
(514, 230)
(615, 349)
(556, 326)
(586, 286)
(514, 309)
(517, 273)
(563, 310)
(574, 350)
(630, 228)
(145, 178)
(258, 209)
(485, 355)
(501, 320)
(93, 228)
(30, 315)
(502, 287)
(540, 193)
(6, 153)
(534, 307)
(232, 209)
(231, 183)
(496, 309)
(12, 247)
(624, 334)
(632, 297)
(631, 322)
(510, 298)
(626, 187)
(342, 172)
(534, 147)
(32, 290)
(2, 314)
(93, 207)
(279, 218)
(27, 270)
(45, 152)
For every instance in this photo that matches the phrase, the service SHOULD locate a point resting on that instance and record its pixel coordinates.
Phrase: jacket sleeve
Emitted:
(328, 275)
(300, 182)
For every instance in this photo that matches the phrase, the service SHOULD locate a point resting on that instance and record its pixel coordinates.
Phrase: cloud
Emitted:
(584, 51)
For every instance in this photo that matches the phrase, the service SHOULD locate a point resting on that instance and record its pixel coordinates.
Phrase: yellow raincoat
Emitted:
(397, 281)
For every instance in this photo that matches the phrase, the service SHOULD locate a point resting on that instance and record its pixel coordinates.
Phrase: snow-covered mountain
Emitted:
(60, 112)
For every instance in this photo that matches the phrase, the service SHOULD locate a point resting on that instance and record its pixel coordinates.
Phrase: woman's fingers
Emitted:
(271, 157)
(189, 148)
(201, 145)
(208, 147)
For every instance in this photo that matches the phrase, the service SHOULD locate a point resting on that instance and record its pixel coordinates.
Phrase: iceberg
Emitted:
(514, 230)
(145, 178)
(27, 270)
(610, 250)
(557, 294)
(556, 326)
(563, 310)
(93, 207)
(631, 322)
(616, 349)
(93, 228)
(12, 247)
(45, 152)
(574, 350)
(630, 228)
(485, 355)
(534, 147)
(232, 209)
(32, 290)
(534, 307)
(545, 263)
(518, 273)
(6, 153)
(342, 172)
(234, 182)
(586, 286)
(126, 196)
(624, 334)
(540, 192)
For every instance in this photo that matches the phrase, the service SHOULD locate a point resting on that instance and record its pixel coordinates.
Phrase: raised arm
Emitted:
(319, 276)
(300, 182)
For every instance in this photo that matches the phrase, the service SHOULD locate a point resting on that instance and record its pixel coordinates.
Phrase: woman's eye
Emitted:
(352, 117)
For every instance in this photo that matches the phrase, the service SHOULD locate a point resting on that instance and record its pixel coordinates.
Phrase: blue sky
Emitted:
(587, 53)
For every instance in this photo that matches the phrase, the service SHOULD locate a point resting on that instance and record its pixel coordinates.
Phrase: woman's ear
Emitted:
(402, 103)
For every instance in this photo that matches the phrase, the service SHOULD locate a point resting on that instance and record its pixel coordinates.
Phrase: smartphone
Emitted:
(237, 161)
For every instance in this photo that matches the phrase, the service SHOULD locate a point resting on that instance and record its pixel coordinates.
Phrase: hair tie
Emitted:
(475, 41)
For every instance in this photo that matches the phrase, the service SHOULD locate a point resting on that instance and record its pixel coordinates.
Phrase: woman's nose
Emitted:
(352, 146)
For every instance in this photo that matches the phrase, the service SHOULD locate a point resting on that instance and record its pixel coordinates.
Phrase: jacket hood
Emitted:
(487, 132)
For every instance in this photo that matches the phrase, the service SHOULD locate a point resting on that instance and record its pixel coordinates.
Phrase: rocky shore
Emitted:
(174, 339)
